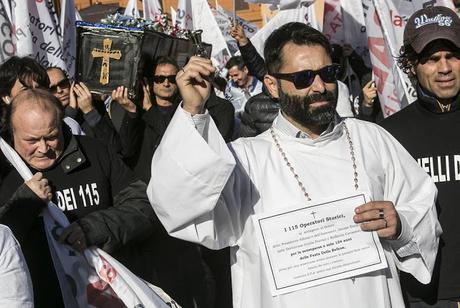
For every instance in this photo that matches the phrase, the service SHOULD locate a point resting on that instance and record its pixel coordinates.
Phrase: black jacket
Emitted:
(253, 60)
(95, 189)
(432, 138)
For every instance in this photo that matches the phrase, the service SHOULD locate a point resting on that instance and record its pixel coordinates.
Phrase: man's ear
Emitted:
(272, 85)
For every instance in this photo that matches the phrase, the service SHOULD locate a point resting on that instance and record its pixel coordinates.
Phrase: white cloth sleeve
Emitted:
(15, 283)
(204, 205)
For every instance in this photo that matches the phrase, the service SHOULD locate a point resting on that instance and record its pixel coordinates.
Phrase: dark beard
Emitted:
(298, 108)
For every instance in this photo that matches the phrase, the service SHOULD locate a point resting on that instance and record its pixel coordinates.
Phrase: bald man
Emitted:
(106, 205)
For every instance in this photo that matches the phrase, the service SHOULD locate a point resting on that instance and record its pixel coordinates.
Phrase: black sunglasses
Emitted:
(161, 78)
(64, 83)
(304, 79)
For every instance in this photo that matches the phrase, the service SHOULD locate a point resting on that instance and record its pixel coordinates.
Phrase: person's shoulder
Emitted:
(399, 118)
(7, 239)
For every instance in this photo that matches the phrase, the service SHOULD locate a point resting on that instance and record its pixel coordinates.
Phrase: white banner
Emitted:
(69, 35)
(184, 15)
(37, 33)
(224, 21)
(151, 9)
(333, 22)
(7, 49)
(204, 19)
(382, 64)
(305, 14)
(354, 28)
(131, 9)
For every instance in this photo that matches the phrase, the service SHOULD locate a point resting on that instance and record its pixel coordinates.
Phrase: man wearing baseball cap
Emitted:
(429, 129)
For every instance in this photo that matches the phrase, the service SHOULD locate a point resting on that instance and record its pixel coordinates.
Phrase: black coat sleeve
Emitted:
(253, 60)
(223, 114)
(100, 127)
(131, 218)
(20, 211)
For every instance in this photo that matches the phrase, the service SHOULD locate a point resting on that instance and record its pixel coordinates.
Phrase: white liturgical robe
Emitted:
(205, 191)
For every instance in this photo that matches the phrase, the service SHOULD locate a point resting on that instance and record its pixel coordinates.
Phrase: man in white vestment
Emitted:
(208, 192)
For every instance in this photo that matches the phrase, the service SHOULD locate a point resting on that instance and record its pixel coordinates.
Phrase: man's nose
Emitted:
(318, 85)
(43, 146)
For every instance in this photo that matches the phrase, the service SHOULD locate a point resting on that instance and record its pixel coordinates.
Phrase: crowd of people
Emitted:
(171, 183)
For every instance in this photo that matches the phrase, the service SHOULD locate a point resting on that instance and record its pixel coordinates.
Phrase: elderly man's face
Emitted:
(166, 88)
(37, 135)
(59, 85)
(438, 70)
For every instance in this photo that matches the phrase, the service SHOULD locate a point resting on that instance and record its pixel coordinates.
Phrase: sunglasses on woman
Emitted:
(304, 79)
(161, 78)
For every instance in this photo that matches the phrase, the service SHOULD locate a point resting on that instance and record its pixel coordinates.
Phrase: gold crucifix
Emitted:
(106, 55)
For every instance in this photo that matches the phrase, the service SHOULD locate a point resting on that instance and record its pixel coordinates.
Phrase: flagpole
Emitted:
(234, 13)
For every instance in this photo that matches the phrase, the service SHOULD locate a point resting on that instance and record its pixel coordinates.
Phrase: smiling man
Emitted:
(241, 85)
(309, 155)
(428, 129)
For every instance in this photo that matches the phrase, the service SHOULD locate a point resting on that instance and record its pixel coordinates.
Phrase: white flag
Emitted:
(224, 21)
(204, 19)
(184, 14)
(69, 35)
(173, 15)
(131, 9)
(37, 33)
(283, 4)
(7, 49)
(151, 8)
(305, 14)
(77, 15)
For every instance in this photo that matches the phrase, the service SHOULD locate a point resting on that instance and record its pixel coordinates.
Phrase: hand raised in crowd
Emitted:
(39, 185)
(237, 32)
(369, 94)
(193, 84)
(147, 101)
(120, 95)
(380, 216)
(80, 97)
(74, 236)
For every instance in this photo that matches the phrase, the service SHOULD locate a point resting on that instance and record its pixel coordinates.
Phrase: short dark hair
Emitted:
(162, 60)
(235, 61)
(24, 69)
(297, 33)
(59, 69)
(41, 97)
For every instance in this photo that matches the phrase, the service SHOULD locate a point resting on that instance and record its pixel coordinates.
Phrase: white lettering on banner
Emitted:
(333, 22)
(88, 196)
(441, 20)
(37, 32)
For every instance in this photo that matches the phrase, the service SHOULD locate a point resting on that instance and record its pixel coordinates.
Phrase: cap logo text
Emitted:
(441, 20)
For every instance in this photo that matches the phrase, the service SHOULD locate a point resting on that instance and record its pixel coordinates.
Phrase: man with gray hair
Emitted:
(106, 205)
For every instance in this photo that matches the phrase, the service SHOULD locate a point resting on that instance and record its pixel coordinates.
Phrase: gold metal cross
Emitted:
(106, 55)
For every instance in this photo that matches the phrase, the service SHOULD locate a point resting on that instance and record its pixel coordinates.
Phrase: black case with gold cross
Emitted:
(111, 56)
